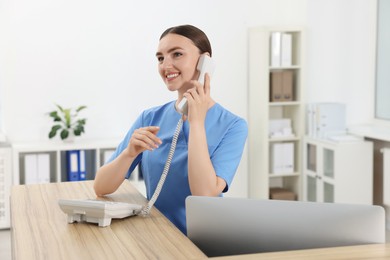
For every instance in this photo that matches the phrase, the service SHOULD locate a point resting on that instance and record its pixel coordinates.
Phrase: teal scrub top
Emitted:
(226, 136)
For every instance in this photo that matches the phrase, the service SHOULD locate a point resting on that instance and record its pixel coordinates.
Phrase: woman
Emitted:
(209, 146)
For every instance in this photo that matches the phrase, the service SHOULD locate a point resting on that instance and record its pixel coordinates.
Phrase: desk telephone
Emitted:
(101, 212)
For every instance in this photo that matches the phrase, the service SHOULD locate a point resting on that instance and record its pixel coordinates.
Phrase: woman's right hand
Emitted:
(142, 139)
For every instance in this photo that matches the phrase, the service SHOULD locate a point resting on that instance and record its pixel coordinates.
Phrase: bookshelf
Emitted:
(266, 109)
(56, 151)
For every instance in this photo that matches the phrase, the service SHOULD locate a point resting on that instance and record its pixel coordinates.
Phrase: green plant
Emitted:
(66, 121)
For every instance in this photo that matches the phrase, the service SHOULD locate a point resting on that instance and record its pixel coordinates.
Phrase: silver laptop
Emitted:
(231, 226)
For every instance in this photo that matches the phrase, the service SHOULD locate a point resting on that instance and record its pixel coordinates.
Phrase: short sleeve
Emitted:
(227, 155)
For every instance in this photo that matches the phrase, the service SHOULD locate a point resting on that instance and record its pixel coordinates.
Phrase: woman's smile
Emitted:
(172, 76)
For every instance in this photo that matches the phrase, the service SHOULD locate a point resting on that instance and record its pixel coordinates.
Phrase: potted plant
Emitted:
(66, 122)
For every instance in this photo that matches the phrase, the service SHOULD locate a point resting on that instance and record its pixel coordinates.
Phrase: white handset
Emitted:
(205, 65)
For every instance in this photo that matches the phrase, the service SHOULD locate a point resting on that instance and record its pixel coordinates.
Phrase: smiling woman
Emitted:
(210, 141)
(382, 104)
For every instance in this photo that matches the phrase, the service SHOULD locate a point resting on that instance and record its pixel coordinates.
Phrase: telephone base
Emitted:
(97, 211)
(102, 222)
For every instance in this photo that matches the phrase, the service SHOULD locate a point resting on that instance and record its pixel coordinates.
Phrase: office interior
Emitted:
(102, 55)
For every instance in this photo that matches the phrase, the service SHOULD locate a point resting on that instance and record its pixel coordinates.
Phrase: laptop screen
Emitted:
(231, 226)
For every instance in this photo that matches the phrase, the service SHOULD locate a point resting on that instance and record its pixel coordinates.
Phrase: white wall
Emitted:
(101, 54)
(341, 55)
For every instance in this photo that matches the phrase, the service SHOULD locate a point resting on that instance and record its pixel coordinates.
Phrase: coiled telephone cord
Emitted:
(146, 209)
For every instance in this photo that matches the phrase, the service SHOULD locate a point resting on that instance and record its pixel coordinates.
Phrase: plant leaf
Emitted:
(77, 132)
(80, 108)
(56, 127)
(57, 119)
(81, 121)
(52, 134)
(53, 114)
(60, 108)
(68, 118)
(64, 134)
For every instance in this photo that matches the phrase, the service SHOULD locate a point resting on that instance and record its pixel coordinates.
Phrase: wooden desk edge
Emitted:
(39, 200)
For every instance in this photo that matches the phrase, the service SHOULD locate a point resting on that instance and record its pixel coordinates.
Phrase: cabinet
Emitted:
(267, 110)
(340, 172)
(5, 184)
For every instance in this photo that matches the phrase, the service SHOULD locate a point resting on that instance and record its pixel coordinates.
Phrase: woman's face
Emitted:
(177, 59)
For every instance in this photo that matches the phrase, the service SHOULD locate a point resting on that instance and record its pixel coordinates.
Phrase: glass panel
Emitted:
(311, 157)
(311, 188)
(329, 163)
(328, 192)
(382, 106)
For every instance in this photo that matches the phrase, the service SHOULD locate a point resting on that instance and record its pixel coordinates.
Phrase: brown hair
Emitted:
(197, 36)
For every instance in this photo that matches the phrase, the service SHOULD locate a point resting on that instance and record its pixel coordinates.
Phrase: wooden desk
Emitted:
(39, 229)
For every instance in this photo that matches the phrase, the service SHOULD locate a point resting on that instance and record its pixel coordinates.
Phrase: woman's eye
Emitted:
(160, 59)
(177, 54)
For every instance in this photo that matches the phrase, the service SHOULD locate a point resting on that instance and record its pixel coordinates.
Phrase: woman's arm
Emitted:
(110, 176)
(201, 174)
(202, 178)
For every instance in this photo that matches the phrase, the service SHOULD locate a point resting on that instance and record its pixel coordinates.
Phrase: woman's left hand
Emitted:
(199, 100)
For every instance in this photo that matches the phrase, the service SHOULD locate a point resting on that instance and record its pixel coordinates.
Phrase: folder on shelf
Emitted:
(30, 169)
(287, 85)
(326, 119)
(36, 168)
(82, 165)
(107, 155)
(276, 89)
(275, 49)
(286, 50)
(288, 156)
(282, 158)
(72, 165)
(43, 168)
(281, 49)
(281, 86)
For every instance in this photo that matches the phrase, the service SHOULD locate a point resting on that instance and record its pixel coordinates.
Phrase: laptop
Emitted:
(230, 226)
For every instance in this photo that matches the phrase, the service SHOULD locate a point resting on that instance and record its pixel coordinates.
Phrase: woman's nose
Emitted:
(167, 63)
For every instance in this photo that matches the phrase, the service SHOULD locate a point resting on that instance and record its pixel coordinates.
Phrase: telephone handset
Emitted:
(205, 65)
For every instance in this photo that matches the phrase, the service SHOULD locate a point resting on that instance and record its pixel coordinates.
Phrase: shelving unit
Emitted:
(262, 110)
(339, 172)
(94, 152)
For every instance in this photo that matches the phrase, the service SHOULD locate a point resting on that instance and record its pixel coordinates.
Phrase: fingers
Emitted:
(207, 84)
(146, 138)
(193, 94)
(201, 89)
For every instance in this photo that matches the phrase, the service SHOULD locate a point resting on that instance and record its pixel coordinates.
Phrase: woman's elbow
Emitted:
(98, 190)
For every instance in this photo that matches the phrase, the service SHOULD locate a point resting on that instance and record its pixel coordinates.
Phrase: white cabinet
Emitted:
(340, 172)
(5, 184)
(270, 107)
